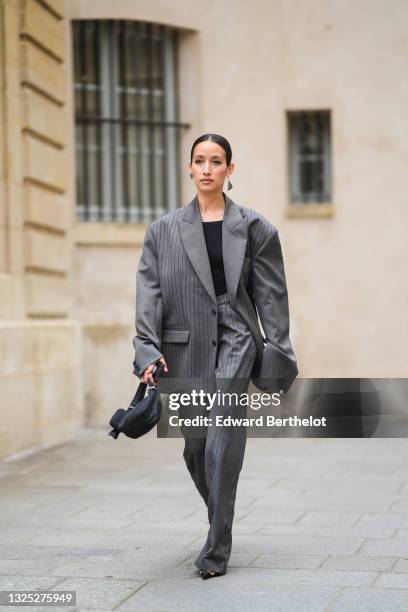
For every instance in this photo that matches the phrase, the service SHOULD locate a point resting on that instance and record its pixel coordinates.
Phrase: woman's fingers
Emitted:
(163, 361)
(147, 376)
(147, 379)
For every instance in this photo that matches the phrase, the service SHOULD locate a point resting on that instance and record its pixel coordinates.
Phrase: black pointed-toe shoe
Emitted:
(205, 574)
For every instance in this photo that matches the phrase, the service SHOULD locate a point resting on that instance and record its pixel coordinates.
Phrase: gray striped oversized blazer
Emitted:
(176, 313)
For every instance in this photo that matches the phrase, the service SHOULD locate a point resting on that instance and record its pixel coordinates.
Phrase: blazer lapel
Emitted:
(234, 239)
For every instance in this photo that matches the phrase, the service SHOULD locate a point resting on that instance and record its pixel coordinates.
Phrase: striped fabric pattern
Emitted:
(176, 306)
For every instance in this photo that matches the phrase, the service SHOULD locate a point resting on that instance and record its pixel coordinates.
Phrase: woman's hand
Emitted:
(147, 376)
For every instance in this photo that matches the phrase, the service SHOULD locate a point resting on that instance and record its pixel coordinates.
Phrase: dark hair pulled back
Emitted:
(220, 140)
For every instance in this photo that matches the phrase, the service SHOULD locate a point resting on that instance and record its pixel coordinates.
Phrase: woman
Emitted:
(206, 271)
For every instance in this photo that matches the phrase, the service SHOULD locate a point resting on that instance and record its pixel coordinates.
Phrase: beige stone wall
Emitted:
(105, 263)
(40, 341)
(41, 384)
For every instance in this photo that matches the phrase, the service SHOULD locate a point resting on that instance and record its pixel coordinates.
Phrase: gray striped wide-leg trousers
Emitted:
(215, 459)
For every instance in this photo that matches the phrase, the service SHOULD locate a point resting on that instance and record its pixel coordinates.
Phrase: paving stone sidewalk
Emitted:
(320, 525)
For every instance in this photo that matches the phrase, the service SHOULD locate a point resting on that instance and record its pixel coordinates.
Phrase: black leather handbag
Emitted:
(143, 413)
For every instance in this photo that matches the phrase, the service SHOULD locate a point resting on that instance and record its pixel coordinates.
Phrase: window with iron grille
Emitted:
(127, 129)
(309, 157)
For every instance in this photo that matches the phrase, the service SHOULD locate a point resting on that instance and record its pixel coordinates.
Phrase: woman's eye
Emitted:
(200, 161)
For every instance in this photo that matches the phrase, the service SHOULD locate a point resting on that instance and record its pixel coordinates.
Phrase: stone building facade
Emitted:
(67, 285)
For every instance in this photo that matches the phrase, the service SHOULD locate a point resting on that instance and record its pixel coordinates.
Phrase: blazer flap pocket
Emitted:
(175, 335)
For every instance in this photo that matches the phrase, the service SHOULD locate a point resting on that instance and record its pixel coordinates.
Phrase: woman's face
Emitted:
(209, 167)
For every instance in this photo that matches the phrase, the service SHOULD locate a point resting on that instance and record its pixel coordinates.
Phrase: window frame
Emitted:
(299, 204)
(112, 156)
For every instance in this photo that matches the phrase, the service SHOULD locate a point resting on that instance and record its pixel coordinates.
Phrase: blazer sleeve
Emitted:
(149, 308)
(278, 368)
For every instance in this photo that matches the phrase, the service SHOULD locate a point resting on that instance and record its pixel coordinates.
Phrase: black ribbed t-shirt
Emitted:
(213, 240)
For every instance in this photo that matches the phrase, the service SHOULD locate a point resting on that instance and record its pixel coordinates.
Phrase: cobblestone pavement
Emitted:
(320, 525)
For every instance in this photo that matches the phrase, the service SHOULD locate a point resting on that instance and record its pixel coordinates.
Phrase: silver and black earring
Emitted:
(229, 184)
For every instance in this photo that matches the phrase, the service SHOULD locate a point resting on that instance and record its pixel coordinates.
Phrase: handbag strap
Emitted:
(141, 390)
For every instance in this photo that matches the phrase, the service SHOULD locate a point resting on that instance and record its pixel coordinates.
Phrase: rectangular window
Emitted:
(127, 129)
(309, 157)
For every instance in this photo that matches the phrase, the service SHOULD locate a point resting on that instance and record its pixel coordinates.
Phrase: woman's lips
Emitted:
(206, 180)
